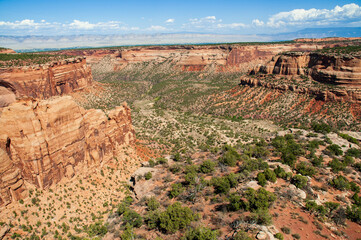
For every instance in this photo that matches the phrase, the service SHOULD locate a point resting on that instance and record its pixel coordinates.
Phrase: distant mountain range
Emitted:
(38, 43)
(319, 33)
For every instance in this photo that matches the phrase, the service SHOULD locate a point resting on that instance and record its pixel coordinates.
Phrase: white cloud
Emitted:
(28, 26)
(156, 28)
(81, 25)
(211, 23)
(257, 22)
(232, 25)
(22, 24)
(205, 20)
(315, 16)
(170, 20)
(76, 24)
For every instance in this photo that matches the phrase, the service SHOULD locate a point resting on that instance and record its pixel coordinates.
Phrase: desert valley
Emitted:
(213, 141)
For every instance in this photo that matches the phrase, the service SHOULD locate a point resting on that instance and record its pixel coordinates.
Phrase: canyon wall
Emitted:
(330, 95)
(235, 57)
(6, 50)
(344, 70)
(45, 140)
(44, 81)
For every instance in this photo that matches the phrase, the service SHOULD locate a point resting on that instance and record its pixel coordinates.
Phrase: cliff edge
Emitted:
(45, 140)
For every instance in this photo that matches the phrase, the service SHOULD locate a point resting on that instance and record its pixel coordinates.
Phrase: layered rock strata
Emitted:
(330, 95)
(47, 80)
(195, 58)
(333, 69)
(43, 141)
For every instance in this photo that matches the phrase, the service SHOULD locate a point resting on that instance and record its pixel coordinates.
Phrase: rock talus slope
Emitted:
(43, 141)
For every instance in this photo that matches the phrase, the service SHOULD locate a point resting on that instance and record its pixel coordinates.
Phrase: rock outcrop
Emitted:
(44, 81)
(331, 95)
(6, 50)
(41, 141)
(236, 57)
(328, 39)
(344, 70)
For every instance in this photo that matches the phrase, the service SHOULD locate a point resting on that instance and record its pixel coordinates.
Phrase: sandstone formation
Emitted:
(330, 95)
(344, 70)
(47, 80)
(6, 50)
(45, 140)
(235, 57)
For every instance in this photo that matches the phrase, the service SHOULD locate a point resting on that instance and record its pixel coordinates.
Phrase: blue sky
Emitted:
(65, 17)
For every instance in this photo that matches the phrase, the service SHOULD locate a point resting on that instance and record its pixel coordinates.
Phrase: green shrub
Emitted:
(207, 166)
(261, 178)
(341, 183)
(241, 235)
(260, 199)
(354, 187)
(335, 149)
(151, 163)
(313, 207)
(336, 165)
(148, 175)
(176, 190)
(357, 166)
(321, 127)
(317, 161)
(354, 152)
(348, 138)
(299, 181)
(230, 157)
(348, 160)
(236, 203)
(152, 219)
(201, 233)
(177, 157)
(232, 179)
(286, 230)
(313, 145)
(331, 207)
(96, 229)
(354, 213)
(306, 169)
(152, 204)
(288, 148)
(191, 174)
(251, 165)
(128, 233)
(256, 151)
(221, 185)
(175, 168)
(161, 160)
(270, 175)
(132, 218)
(262, 217)
(296, 236)
(175, 217)
(280, 172)
(190, 178)
(279, 236)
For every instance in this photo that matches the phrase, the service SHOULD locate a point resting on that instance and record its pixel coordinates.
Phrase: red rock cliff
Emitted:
(340, 70)
(47, 80)
(45, 140)
(195, 58)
